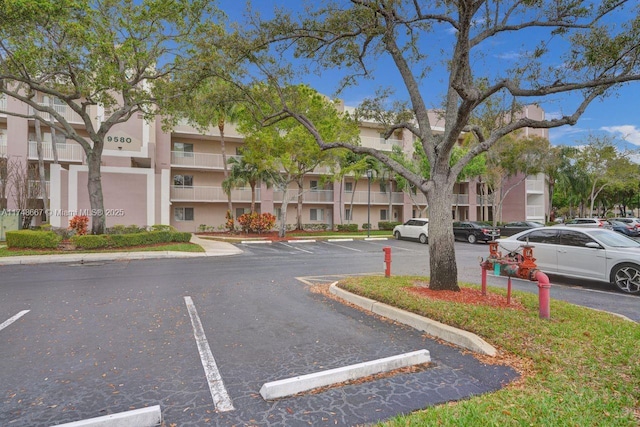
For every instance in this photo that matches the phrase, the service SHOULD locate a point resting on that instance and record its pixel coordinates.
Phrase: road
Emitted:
(98, 338)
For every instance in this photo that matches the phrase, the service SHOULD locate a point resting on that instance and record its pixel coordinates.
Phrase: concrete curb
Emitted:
(144, 417)
(301, 241)
(291, 386)
(447, 333)
(375, 238)
(339, 240)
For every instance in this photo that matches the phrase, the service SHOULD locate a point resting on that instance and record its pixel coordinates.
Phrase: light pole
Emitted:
(369, 173)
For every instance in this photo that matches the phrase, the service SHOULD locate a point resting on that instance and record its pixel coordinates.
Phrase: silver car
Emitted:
(415, 228)
(586, 253)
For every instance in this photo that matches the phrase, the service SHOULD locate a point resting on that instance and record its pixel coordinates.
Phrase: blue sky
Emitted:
(615, 115)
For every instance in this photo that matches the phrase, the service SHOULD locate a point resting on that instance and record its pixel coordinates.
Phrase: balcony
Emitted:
(34, 187)
(313, 196)
(3, 102)
(535, 212)
(456, 199)
(184, 127)
(210, 194)
(3, 146)
(69, 115)
(198, 160)
(66, 152)
(535, 186)
(377, 198)
(380, 143)
(485, 200)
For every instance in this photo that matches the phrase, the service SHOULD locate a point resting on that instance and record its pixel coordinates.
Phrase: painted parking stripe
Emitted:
(221, 398)
(297, 249)
(13, 319)
(342, 246)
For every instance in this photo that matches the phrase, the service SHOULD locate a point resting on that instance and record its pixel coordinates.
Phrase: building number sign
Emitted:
(119, 139)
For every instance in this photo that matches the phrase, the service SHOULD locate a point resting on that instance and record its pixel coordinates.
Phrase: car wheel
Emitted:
(423, 239)
(627, 278)
(397, 235)
(471, 238)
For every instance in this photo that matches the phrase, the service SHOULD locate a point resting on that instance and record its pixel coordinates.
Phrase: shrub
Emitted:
(229, 224)
(32, 239)
(180, 237)
(366, 226)
(387, 225)
(315, 227)
(256, 223)
(91, 241)
(347, 227)
(79, 224)
(162, 227)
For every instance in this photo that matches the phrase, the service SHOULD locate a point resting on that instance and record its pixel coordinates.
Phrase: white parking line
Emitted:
(221, 398)
(297, 249)
(341, 246)
(13, 319)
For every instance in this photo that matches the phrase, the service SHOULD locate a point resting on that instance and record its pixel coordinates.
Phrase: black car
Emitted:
(475, 231)
(511, 228)
(626, 229)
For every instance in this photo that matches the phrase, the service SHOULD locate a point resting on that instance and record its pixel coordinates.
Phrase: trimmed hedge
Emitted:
(347, 227)
(387, 225)
(132, 239)
(32, 239)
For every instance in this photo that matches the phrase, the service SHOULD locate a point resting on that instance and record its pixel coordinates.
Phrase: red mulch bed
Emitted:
(272, 235)
(466, 296)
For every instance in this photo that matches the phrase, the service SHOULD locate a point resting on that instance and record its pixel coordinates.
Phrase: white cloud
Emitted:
(566, 135)
(629, 133)
(512, 55)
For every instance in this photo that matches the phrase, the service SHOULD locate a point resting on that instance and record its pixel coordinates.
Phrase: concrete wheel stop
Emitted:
(144, 417)
(290, 386)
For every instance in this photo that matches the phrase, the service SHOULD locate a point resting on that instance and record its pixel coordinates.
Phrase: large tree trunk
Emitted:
(283, 212)
(443, 268)
(299, 206)
(94, 185)
(225, 170)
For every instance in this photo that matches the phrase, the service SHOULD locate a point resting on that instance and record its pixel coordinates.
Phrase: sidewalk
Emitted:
(211, 248)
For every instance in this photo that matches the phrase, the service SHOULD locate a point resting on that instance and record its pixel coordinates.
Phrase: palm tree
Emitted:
(243, 173)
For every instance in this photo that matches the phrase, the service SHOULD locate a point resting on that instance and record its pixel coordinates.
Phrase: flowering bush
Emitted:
(230, 226)
(256, 223)
(79, 224)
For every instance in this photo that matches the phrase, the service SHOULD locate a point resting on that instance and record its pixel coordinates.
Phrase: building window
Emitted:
(348, 215)
(183, 214)
(383, 187)
(183, 180)
(278, 213)
(242, 211)
(316, 214)
(313, 185)
(384, 215)
(348, 187)
(183, 149)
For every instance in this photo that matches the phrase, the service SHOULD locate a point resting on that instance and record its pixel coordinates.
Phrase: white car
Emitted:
(586, 253)
(415, 228)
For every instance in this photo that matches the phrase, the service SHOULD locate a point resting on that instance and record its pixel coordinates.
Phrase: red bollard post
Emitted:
(387, 261)
(544, 299)
(484, 281)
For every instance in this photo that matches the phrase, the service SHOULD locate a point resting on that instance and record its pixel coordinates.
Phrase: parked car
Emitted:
(628, 229)
(586, 222)
(415, 228)
(585, 253)
(634, 221)
(474, 231)
(511, 228)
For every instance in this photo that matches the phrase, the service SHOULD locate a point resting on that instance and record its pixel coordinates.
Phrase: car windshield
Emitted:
(615, 240)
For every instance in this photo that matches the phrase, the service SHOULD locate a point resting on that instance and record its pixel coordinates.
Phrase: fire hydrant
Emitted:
(387, 261)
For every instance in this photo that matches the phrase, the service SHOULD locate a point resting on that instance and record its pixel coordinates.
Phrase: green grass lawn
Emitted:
(580, 368)
(178, 247)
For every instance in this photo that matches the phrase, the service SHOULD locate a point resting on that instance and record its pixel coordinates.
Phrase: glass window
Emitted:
(574, 238)
(383, 187)
(541, 236)
(316, 214)
(348, 214)
(183, 214)
(313, 185)
(183, 149)
(348, 187)
(183, 180)
(384, 214)
(277, 212)
(242, 211)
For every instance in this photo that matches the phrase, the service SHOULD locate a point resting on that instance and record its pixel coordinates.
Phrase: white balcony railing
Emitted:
(3, 146)
(34, 185)
(3, 102)
(379, 143)
(309, 196)
(485, 200)
(198, 160)
(210, 194)
(535, 212)
(456, 199)
(535, 186)
(377, 198)
(69, 115)
(66, 152)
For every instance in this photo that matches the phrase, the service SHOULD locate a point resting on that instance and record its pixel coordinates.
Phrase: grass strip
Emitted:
(175, 247)
(583, 365)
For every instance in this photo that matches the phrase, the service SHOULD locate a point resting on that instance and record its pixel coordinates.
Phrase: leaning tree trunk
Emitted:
(442, 261)
(299, 205)
(225, 170)
(41, 173)
(94, 185)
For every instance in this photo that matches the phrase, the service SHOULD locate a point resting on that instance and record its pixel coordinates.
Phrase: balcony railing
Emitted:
(535, 186)
(230, 130)
(66, 152)
(198, 160)
(456, 199)
(309, 196)
(64, 110)
(34, 186)
(485, 200)
(210, 194)
(3, 102)
(379, 143)
(377, 198)
(3, 146)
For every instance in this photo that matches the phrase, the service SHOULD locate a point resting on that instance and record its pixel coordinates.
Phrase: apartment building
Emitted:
(150, 176)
